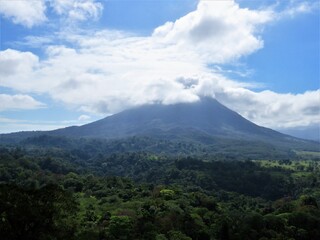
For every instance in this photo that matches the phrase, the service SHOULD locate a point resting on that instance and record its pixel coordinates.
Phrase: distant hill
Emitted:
(206, 122)
(311, 133)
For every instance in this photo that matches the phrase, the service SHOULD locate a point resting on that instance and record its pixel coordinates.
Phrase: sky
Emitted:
(71, 62)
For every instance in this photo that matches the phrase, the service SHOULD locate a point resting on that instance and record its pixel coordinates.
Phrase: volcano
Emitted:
(204, 121)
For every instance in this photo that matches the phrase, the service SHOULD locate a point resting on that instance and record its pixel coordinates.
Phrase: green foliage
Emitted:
(36, 214)
(177, 235)
(120, 227)
(54, 193)
(167, 193)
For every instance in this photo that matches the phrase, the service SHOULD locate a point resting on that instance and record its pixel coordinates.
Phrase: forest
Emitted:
(120, 191)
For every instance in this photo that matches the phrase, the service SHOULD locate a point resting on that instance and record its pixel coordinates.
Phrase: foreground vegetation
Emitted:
(56, 193)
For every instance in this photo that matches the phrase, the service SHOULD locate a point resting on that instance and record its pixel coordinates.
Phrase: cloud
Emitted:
(299, 7)
(17, 68)
(272, 109)
(77, 10)
(84, 118)
(104, 72)
(220, 31)
(30, 13)
(24, 12)
(18, 102)
(13, 62)
(8, 125)
(34, 41)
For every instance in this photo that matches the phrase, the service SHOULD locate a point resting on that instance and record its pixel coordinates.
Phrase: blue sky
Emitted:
(71, 62)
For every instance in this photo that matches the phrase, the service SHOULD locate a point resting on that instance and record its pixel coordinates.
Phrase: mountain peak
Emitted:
(206, 116)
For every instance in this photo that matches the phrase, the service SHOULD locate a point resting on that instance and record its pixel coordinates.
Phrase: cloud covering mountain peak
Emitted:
(105, 71)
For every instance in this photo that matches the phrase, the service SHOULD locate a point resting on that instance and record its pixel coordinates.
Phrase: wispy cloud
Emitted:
(299, 7)
(8, 125)
(77, 10)
(32, 13)
(33, 42)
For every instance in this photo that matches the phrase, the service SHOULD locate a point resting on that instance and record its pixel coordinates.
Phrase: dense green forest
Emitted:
(92, 190)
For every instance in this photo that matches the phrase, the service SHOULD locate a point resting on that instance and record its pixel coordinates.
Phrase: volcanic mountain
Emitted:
(205, 117)
(206, 121)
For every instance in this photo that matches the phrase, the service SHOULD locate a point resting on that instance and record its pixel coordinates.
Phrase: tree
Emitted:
(36, 214)
(120, 227)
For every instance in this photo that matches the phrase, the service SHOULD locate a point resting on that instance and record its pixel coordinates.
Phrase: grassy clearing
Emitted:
(296, 166)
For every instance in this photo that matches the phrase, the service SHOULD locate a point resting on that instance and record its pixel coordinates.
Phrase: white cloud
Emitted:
(30, 13)
(77, 10)
(18, 102)
(13, 62)
(272, 109)
(108, 71)
(17, 69)
(24, 12)
(219, 30)
(84, 118)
